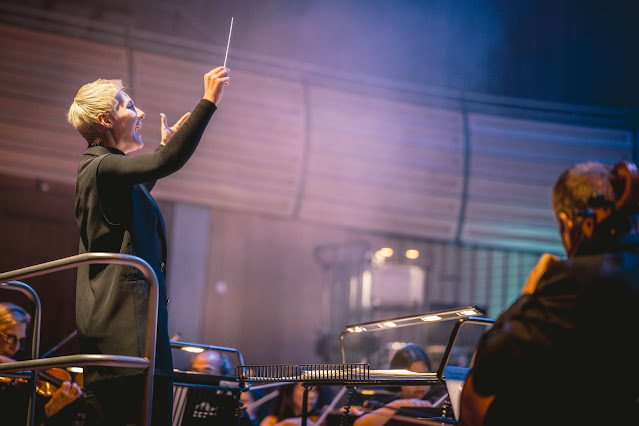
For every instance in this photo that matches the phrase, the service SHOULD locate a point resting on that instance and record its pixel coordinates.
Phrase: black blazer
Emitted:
(117, 215)
(111, 300)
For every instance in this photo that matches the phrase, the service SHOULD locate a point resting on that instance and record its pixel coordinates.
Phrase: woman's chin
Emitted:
(135, 145)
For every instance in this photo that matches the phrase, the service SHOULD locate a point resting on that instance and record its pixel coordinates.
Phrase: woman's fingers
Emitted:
(181, 121)
(76, 391)
(214, 83)
(168, 132)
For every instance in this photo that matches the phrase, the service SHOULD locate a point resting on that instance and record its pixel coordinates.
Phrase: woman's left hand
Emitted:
(65, 395)
(168, 132)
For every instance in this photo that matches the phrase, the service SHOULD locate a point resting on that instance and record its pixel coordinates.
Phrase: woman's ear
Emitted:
(105, 119)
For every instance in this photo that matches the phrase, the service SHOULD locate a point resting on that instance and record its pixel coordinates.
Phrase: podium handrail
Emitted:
(93, 359)
(31, 294)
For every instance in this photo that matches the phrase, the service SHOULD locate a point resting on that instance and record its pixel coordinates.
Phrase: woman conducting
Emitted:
(116, 213)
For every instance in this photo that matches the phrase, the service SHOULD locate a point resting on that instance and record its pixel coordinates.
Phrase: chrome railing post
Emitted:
(151, 320)
(31, 294)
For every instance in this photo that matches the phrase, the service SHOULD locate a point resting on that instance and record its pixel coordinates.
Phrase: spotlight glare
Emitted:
(192, 349)
(385, 252)
(412, 254)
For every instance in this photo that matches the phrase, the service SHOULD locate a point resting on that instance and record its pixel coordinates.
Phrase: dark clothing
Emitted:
(119, 401)
(14, 406)
(566, 354)
(116, 213)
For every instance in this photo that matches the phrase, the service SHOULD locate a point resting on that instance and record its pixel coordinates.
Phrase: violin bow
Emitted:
(62, 342)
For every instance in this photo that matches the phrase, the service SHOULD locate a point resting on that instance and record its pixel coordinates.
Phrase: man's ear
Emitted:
(565, 230)
(105, 119)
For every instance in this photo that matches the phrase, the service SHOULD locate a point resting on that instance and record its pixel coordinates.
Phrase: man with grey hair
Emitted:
(564, 353)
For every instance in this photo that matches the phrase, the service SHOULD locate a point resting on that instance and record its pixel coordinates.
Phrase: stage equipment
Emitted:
(201, 399)
(353, 375)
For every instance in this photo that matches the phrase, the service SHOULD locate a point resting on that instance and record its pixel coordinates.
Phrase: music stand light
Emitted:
(446, 315)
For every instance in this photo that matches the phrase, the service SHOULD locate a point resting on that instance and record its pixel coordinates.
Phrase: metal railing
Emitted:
(7, 280)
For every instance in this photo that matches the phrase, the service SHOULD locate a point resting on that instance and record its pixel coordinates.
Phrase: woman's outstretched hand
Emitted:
(168, 132)
(214, 82)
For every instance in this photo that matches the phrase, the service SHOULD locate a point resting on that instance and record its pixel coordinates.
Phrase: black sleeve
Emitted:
(151, 184)
(125, 170)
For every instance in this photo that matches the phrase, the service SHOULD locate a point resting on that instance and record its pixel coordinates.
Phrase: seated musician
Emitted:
(573, 326)
(287, 410)
(14, 395)
(255, 406)
(216, 363)
(212, 362)
(413, 358)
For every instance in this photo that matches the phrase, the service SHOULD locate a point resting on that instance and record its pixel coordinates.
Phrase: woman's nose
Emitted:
(140, 113)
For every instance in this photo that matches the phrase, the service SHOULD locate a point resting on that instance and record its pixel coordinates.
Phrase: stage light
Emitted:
(412, 254)
(385, 252)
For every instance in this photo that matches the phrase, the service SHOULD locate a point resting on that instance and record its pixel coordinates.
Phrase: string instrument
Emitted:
(50, 380)
(315, 418)
(426, 415)
(47, 383)
(312, 420)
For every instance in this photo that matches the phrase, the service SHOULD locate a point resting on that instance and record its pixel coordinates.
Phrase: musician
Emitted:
(254, 407)
(212, 362)
(413, 358)
(14, 395)
(573, 328)
(287, 410)
(116, 213)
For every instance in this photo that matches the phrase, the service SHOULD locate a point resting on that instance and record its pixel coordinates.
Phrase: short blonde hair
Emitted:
(99, 97)
(11, 315)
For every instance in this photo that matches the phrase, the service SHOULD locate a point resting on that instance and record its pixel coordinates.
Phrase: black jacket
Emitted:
(566, 354)
(116, 213)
